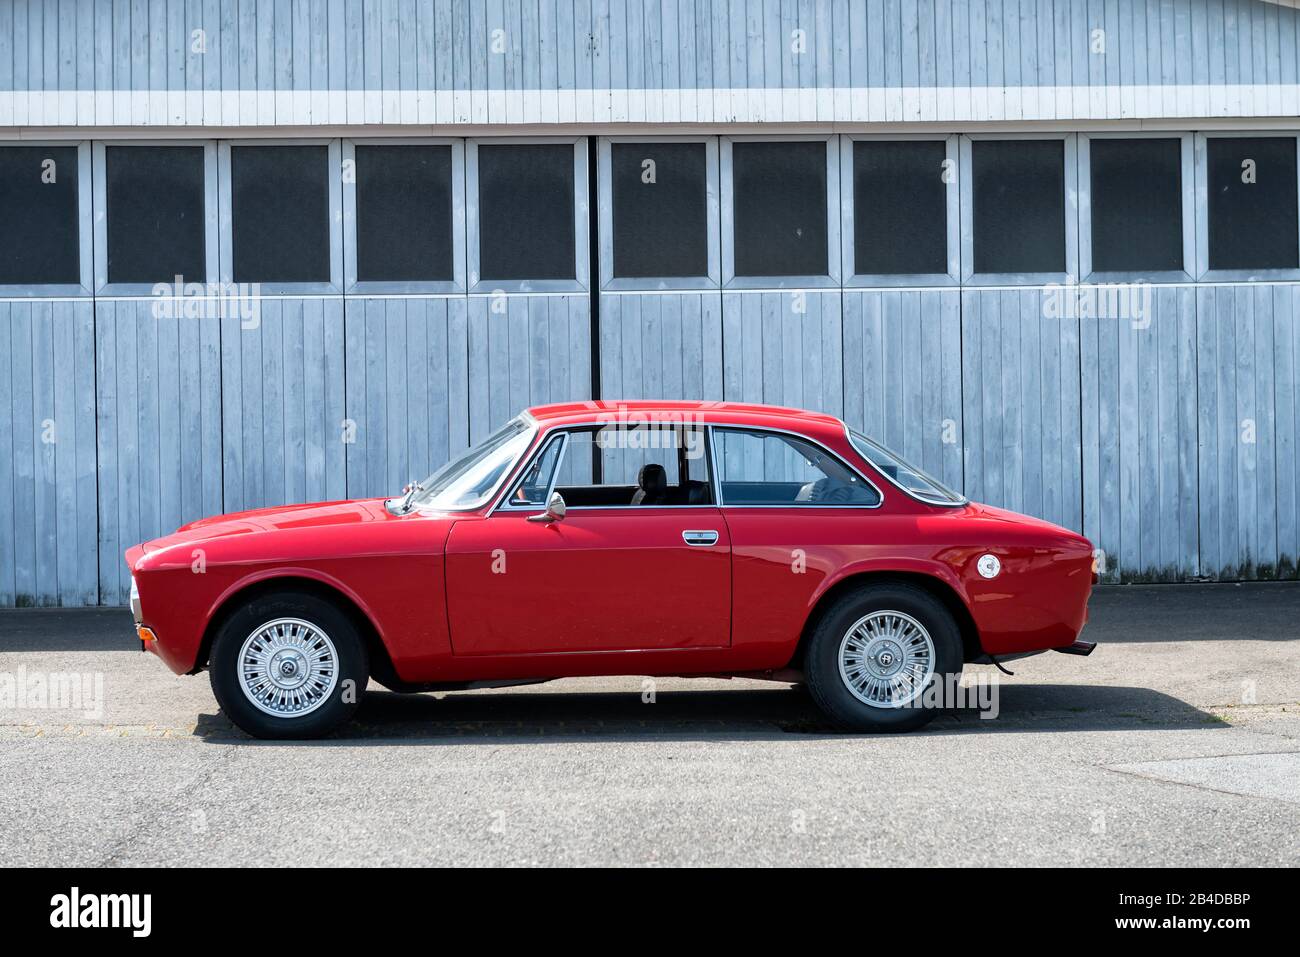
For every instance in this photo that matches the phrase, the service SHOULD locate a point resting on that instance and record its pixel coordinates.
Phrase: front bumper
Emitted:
(148, 640)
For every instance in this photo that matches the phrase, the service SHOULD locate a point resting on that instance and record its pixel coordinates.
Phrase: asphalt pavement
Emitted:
(1176, 743)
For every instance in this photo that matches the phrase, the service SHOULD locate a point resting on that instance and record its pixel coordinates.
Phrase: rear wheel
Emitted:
(288, 665)
(875, 657)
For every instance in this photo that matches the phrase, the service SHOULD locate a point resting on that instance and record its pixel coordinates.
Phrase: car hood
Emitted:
(279, 518)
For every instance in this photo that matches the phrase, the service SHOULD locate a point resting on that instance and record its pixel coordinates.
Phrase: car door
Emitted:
(795, 513)
(610, 576)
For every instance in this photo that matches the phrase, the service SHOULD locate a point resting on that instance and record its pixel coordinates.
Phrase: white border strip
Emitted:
(317, 108)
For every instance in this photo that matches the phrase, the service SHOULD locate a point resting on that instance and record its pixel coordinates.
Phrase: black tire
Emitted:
(821, 664)
(353, 666)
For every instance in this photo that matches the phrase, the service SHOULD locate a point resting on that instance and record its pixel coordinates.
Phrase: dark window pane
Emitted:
(404, 213)
(39, 243)
(155, 213)
(1019, 207)
(779, 208)
(1252, 225)
(1137, 205)
(525, 212)
(767, 468)
(280, 208)
(660, 227)
(900, 208)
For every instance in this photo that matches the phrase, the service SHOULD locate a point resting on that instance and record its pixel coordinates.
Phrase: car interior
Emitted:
(669, 470)
(674, 475)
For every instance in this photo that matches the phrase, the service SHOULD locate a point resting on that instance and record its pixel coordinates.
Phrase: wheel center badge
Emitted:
(288, 669)
(885, 659)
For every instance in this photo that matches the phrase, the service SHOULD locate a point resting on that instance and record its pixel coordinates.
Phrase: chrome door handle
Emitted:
(706, 536)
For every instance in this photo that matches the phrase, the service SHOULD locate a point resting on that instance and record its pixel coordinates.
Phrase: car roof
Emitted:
(738, 413)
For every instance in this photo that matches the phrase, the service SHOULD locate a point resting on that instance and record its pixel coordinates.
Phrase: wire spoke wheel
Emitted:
(288, 667)
(886, 659)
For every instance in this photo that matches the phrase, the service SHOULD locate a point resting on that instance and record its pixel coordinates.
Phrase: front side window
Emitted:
(624, 465)
(39, 242)
(908, 477)
(773, 468)
(535, 483)
(469, 481)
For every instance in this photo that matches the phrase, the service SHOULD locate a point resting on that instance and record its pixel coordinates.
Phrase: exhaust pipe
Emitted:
(1083, 648)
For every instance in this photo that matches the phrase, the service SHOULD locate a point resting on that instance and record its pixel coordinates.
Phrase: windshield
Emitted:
(467, 482)
(910, 478)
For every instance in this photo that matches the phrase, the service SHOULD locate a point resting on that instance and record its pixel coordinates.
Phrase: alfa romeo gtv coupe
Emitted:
(601, 538)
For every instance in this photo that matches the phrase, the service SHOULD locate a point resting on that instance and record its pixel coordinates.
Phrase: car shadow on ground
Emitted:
(385, 718)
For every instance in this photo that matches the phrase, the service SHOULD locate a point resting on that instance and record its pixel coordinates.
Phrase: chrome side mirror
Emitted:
(554, 510)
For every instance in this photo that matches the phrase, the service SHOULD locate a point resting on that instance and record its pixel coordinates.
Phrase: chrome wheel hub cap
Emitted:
(886, 659)
(288, 667)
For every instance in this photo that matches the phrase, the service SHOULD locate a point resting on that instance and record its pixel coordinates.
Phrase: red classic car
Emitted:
(600, 538)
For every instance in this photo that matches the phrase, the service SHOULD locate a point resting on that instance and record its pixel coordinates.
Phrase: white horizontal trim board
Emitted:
(256, 108)
(638, 293)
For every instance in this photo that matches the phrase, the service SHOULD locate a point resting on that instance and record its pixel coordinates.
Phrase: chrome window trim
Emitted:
(715, 477)
(848, 437)
(880, 496)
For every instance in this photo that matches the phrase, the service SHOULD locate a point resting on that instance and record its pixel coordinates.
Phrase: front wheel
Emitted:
(288, 665)
(875, 656)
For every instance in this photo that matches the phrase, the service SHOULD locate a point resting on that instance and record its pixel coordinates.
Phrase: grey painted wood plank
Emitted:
(352, 434)
(1225, 435)
(1039, 402)
(109, 558)
(391, 383)
(9, 478)
(375, 419)
(1207, 395)
(1188, 492)
(1246, 428)
(166, 419)
(1287, 425)
(39, 525)
(1265, 444)
(1147, 346)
